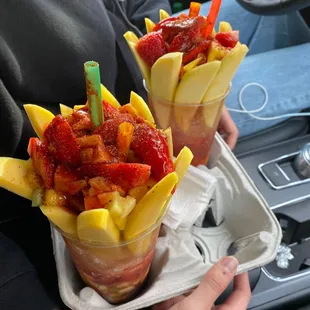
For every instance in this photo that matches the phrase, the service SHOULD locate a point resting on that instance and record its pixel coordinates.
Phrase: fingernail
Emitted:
(229, 263)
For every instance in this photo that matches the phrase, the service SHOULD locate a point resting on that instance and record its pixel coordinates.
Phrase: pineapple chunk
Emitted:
(14, 176)
(65, 110)
(225, 27)
(138, 192)
(107, 96)
(163, 14)
(62, 217)
(140, 105)
(149, 25)
(97, 225)
(39, 118)
(146, 212)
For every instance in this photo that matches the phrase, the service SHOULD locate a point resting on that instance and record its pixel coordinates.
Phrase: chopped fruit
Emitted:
(60, 137)
(102, 154)
(129, 205)
(149, 25)
(92, 202)
(216, 52)
(133, 157)
(150, 47)
(87, 155)
(37, 197)
(159, 25)
(13, 176)
(109, 110)
(163, 14)
(200, 47)
(152, 147)
(168, 134)
(76, 202)
(89, 141)
(228, 39)
(97, 226)
(78, 107)
(146, 212)
(81, 120)
(101, 185)
(109, 129)
(225, 27)
(123, 174)
(39, 118)
(51, 198)
(107, 96)
(140, 105)
(124, 137)
(66, 181)
(194, 9)
(138, 192)
(43, 164)
(65, 110)
(106, 198)
(62, 217)
(182, 163)
(129, 109)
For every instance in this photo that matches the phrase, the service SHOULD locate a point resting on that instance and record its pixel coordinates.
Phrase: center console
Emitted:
(279, 173)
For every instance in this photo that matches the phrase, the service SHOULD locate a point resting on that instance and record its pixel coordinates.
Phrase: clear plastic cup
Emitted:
(119, 271)
(193, 125)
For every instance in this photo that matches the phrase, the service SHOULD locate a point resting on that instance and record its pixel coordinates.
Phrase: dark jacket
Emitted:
(43, 45)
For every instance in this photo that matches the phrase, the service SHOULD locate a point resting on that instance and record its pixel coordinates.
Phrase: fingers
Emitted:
(240, 297)
(212, 285)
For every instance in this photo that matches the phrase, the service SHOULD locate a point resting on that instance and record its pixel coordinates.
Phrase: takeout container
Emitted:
(239, 211)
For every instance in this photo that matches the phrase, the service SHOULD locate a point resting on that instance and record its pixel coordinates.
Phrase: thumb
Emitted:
(212, 285)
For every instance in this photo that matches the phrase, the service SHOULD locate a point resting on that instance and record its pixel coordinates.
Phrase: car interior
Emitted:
(270, 157)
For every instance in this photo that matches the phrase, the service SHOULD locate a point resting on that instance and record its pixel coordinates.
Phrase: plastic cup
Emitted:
(192, 125)
(119, 271)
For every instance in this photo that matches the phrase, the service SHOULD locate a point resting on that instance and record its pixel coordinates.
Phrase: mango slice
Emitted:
(97, 225)
(132, 40)
(149, 25)
(225, 27)
(13, 176)
(191, 90)
(191, 65)
(39, 118)
(168, 133)
(107, 96)
(62, 217)
(147, 210)
(225, 74)
(140, 105)
(79, 106)
(216, 52)
(65, 110)
(165, 75)
(182, 163)
(163, 14)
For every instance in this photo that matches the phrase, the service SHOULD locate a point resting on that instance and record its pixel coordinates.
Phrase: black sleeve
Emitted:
(137, 10)
(11, 122)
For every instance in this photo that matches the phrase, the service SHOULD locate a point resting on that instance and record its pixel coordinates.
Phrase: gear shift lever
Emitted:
(273, 7)
(302, 161)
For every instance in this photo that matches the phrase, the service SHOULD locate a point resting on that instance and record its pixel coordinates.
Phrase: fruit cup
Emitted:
(116, 271)
(192, 125)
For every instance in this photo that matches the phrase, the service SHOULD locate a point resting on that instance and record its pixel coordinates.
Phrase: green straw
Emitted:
(93, 90)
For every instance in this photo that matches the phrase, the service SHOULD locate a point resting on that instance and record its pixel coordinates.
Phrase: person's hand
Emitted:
(211, 287)
(228, 129)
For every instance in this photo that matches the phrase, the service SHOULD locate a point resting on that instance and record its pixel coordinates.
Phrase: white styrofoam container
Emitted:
(240, 212)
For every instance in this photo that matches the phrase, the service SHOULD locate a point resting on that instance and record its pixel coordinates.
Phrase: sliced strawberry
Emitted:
(200, 47)
(151, 47)
(62, 141)
(109, 111)
(108, 130)
(81, 120)
(66, 181)
(228, 39)
(149, 144)
(42, 163)
(123, 174)
(164, 21)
